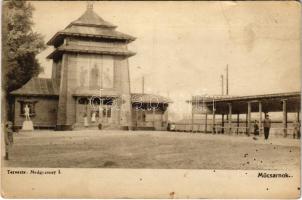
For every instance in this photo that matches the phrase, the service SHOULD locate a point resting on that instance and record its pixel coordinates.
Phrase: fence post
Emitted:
(249, 108)
(230, 118)
(206, 123)
(260, 117)
(284, 118)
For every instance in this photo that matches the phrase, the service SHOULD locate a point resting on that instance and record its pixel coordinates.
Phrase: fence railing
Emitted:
(200, 128)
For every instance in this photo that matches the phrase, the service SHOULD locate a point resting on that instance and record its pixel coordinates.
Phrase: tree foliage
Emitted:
(20, 45)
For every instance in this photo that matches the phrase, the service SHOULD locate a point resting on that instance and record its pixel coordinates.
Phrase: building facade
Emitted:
(90, 83)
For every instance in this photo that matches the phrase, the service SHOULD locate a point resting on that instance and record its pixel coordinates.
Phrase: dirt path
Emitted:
(127, 149)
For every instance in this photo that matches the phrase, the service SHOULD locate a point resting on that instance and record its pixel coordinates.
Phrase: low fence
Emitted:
(202, 128)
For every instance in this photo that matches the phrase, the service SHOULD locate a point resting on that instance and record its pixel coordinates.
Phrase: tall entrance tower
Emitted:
(90, 65)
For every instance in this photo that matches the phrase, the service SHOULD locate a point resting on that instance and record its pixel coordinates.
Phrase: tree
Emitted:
(20, 45)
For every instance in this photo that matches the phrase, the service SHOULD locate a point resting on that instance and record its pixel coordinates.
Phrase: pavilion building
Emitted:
(230, 108)
(90, 82)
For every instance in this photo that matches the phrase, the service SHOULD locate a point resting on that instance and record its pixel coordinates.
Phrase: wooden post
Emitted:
(206, 123)
(118, 109)
(284, 118)
(237, 131)
(249, 108)
(230, 119)
(142, 123)
(222, 85)
(88, 112)
(298, 116)
(153, 116)
(161, 118)
(227, 80)
(86, 105)
(260, 118)
(166, 118)
(100, 113)
(106, 113)
(192, 120)
(136, 116)
(166, 115)
(76, 110)
(213, 120)
(213, 123)
(222, 123)
(246, 124)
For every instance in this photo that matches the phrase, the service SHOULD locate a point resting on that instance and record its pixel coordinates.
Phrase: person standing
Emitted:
(296, 129)
(85, 120)
(8, 137)
(266, 125)
(256, 128)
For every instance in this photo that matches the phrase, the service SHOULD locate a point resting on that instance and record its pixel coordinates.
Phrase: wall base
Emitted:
(64, 128)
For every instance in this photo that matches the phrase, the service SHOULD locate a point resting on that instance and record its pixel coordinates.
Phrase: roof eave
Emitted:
(54, 38)
(60, 51)
(148, 102)
(238, 98)
(32, 94)
(59, 34)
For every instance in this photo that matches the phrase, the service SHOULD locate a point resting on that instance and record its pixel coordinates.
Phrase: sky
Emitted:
(184, 47)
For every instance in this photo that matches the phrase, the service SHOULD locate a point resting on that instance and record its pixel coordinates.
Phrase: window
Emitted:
(107, 112)
(95, 71)
(107, 72)
(83, 77)
(31, 106)
(94, 77)
(83, 101)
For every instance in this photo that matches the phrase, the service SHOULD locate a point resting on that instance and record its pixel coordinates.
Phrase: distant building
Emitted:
(90, 82)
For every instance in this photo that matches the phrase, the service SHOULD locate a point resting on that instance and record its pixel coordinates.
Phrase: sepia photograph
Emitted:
(187, 98)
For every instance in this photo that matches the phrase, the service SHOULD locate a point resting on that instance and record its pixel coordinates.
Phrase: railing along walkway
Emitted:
(233, 130)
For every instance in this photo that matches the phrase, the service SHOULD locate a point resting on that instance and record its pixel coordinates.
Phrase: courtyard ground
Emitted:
(151, 149)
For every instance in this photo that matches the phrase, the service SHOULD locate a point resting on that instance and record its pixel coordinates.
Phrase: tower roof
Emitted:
(90, 25)
(90, 18)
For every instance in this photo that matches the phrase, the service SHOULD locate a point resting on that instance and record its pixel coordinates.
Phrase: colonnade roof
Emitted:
(239, 104)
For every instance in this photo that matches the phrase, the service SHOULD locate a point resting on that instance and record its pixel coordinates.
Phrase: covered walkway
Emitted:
(229, 107)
